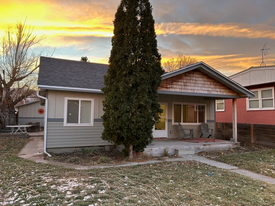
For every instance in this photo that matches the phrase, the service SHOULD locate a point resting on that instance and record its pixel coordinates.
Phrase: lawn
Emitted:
(261, 162)
(23, 182)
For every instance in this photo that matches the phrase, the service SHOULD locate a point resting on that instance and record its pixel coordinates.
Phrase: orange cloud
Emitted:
(226, 30)
(66, 23)
(57, 18)
(227, 64)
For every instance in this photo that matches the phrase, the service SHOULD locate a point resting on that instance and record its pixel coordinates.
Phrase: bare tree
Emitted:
(84, 59)
(179, 62)
(18, 67)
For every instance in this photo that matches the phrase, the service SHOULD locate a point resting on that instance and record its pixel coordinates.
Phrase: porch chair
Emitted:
(205, 131)
(186, 135)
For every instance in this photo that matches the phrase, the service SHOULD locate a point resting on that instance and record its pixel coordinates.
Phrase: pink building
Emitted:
(255, 110)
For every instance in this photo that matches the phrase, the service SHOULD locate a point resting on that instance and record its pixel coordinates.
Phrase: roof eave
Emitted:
(71, 89)
(217, 96)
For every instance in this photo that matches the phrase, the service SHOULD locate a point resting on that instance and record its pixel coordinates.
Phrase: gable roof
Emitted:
(28, 103)
(68, 75)
(208, 71)
(61, 74)
(255, 76)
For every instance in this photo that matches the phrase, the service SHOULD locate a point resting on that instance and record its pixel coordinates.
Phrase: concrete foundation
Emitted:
(170, 147)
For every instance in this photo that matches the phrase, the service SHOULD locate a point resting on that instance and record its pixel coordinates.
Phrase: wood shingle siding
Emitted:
(195, 82)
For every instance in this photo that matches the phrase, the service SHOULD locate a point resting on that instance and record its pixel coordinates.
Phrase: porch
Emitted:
(162, 147)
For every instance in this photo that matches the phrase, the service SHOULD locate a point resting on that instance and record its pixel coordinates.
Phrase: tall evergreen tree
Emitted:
(134, 74)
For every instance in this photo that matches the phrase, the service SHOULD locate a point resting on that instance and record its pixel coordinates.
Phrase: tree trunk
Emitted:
(8, 116)
(12, 118)
(131, 152)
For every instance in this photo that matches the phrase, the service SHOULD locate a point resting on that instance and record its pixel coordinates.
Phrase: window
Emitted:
(220, 105)
(263, 100)
(188, 113)
(78, 112)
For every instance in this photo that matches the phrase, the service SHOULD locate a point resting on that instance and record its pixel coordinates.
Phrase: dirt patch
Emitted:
(99, 156)
(88, 157)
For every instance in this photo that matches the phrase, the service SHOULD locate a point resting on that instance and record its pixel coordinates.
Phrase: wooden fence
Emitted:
(252, 133)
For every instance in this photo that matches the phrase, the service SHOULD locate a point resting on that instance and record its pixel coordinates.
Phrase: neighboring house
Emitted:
(73, 107)
(255, 110)
(31, 112)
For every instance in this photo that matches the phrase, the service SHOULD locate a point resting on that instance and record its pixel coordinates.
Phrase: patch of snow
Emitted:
(87, 197)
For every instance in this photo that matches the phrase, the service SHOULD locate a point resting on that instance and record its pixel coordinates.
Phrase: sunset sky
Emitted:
(226, 34)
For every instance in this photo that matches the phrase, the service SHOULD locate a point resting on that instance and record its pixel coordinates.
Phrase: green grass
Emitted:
(178, 183)
(261, 162)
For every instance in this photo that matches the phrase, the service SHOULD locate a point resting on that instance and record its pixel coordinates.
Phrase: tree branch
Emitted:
(17, 64)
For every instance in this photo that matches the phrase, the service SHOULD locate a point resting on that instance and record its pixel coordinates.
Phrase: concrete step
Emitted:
(181, 152)
(168, 150)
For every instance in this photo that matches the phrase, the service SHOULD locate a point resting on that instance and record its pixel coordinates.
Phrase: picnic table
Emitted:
(18, 128)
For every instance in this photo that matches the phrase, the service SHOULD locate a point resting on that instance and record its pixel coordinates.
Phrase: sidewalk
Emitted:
(33, 150)
(231, 168)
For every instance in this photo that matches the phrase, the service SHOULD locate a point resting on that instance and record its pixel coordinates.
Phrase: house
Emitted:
(253, 110)
(73, 101)
(31, 112)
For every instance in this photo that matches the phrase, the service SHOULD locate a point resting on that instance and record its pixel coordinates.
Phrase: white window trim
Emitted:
(188, 103)
(220, 110)
(260, 100)
(78, 124)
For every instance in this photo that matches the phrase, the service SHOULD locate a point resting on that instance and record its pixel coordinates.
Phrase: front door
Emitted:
(160, 128)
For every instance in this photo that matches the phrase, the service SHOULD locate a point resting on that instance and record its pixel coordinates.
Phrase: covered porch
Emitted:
(187, 97)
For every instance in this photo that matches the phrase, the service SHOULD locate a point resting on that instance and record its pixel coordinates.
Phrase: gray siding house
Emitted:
(73, 101)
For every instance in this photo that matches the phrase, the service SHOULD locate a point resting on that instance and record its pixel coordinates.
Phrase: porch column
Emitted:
(234, 122)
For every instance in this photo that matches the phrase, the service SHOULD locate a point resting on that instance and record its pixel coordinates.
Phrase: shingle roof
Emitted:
(70, 74)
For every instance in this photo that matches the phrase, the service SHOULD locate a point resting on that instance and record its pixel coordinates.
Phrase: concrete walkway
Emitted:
(33, 150)
(231, 168)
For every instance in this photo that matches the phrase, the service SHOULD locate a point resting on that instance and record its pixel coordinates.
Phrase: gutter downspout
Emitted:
(45, 122)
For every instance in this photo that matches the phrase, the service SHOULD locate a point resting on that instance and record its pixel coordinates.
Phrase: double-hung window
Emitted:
(188, 113)
(220, 105)
(78, 112)
(263, 100)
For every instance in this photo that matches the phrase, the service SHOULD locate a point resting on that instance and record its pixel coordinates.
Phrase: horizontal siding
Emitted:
(30, 110)
(255, 76)
(56, 102)
(26, 120)
(59, 136)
